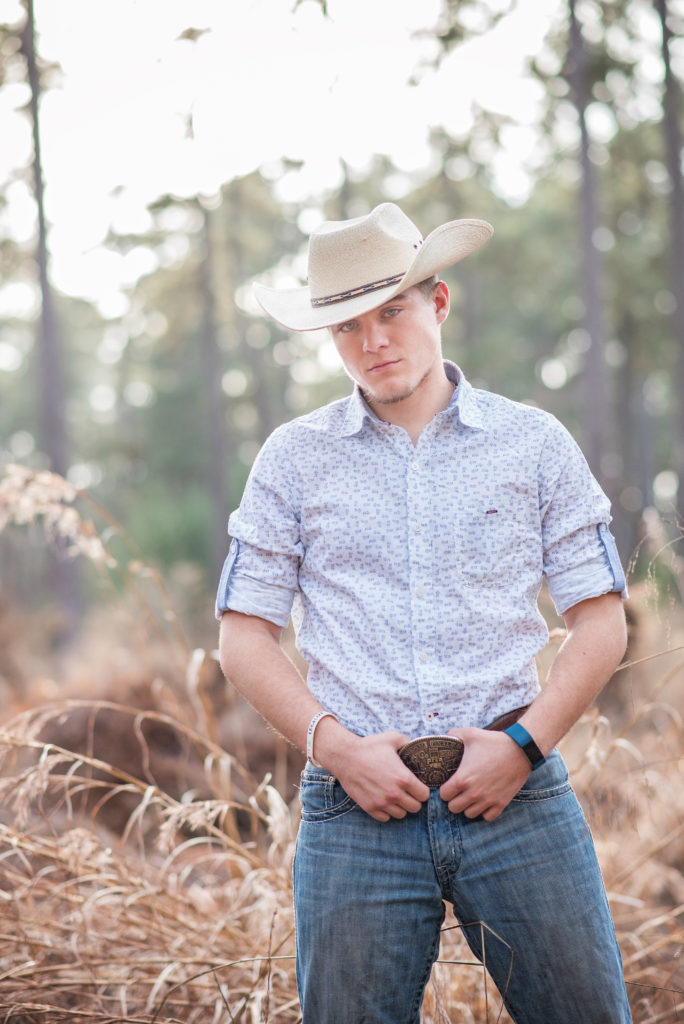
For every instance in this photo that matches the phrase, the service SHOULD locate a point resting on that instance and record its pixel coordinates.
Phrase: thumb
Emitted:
(398, 739)
(462, 732)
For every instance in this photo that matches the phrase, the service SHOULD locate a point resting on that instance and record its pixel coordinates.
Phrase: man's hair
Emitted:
(427, 287)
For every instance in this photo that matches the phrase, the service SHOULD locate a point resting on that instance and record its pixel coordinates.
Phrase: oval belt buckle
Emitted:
(433, 759)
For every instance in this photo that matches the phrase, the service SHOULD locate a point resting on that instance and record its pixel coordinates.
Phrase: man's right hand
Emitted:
(370, 770)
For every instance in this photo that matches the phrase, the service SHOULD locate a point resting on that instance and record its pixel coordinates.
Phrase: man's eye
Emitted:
(392, 311)
(345, 328)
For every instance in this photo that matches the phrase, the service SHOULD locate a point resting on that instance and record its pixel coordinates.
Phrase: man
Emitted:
(408, 528)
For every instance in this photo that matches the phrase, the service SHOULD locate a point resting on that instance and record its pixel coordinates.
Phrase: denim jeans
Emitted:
(369, 905)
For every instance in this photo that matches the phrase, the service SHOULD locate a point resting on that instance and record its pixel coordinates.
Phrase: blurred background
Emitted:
(157, 156)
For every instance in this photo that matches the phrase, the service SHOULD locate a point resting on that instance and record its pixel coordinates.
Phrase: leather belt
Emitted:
(434, 759)
(507, 719)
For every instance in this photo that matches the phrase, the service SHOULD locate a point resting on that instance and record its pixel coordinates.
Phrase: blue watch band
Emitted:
(521, 736)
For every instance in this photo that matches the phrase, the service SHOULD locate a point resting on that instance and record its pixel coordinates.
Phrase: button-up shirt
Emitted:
(412, 573)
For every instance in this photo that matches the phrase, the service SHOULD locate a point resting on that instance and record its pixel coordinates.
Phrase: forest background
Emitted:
(136, 368)
(156, 394)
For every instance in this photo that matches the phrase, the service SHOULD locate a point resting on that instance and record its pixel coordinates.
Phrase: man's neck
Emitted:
(415, 412)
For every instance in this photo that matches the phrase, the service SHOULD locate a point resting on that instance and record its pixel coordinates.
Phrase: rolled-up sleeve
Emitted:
(260, 574)
(597, 570)
(580, 555)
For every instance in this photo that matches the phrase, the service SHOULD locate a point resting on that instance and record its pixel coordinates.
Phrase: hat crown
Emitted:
(354, 254)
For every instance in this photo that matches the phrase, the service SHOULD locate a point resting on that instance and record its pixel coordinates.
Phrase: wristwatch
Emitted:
(521, 736)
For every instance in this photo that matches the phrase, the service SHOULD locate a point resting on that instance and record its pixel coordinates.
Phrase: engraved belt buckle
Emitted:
(433, 759)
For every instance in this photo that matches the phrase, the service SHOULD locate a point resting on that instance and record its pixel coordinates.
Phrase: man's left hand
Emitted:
(491, 772)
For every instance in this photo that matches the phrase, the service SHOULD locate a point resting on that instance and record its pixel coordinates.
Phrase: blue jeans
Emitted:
(369, 906)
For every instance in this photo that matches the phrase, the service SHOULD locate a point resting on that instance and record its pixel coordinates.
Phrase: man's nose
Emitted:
(374, 338)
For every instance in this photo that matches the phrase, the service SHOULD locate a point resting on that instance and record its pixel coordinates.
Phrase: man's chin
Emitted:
(389, 395)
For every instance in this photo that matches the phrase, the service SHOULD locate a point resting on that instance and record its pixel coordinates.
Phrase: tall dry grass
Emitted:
(145, 871)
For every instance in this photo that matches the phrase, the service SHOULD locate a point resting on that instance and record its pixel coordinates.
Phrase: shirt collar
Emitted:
(463, 403)
(356, 415)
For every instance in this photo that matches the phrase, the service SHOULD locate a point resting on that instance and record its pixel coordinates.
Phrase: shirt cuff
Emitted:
(239, 592)
(602, 574)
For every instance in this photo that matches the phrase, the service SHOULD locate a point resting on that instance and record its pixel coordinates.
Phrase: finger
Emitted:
(398, 805)
(462, 733)
(457, 784)
(482, 808)
(410, 805)
(395, 806)
(450, 789)
(468, 804)
(403, 802)
(396, 811)
(398, 739)
(418, 791)
(413, 787)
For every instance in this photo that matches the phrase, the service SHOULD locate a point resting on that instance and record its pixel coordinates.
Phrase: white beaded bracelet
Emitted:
(310, 732)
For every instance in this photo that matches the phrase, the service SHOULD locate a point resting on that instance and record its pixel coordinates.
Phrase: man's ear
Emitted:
(440, 298)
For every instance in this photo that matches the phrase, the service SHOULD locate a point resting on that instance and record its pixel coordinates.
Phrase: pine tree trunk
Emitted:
(673, 148)
(49, 357)
(595, 378)
(215, 409)
(63, 576)
(269, 392)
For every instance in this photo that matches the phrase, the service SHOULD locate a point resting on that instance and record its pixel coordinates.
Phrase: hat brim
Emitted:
(446, 245)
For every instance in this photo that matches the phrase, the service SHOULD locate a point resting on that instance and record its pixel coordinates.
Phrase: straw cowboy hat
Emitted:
(356, 265)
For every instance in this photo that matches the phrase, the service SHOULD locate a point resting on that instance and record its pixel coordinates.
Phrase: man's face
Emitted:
(395, 350)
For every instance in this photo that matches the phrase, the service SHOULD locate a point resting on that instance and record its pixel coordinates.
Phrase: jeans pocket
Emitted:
(322, 797)
(546, 782)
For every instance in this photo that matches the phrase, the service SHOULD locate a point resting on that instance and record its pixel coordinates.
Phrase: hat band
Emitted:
(352, 293)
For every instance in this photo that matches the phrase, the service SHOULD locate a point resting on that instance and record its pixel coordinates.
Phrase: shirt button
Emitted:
(413, 464)
(417, 528)
(420, 591)
(423, 656)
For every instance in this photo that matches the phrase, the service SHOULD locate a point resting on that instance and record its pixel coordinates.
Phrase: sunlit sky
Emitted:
(139, 112)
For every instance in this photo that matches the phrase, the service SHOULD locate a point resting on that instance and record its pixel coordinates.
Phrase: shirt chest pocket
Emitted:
(497, 543)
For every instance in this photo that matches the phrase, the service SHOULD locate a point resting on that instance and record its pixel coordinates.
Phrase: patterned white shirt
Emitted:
(412, 573)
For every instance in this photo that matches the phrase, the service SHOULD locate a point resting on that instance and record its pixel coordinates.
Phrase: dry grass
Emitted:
(145, 873)
(144, 925)
(185, 916)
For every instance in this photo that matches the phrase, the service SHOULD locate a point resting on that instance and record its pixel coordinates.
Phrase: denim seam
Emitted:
(324, 783)
(420, 994)
(541, 794)
(444, 873)
(323, 817)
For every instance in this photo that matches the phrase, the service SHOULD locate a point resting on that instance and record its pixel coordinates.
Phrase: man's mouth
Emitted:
(379, 367)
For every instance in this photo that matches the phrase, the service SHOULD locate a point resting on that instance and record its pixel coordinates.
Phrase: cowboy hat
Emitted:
(356, 265)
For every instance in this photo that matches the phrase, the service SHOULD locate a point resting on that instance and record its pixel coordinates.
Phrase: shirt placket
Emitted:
(423, 633)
